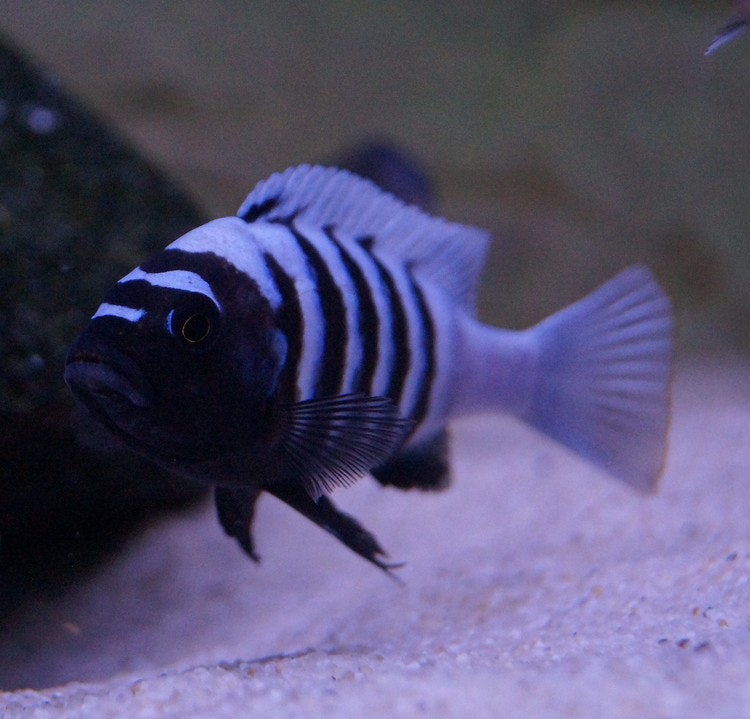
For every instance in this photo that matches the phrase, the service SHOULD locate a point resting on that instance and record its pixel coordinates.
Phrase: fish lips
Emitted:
(115, 391)
(106, 380)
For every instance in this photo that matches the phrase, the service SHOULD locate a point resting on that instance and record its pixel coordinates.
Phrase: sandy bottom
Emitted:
(533, 587)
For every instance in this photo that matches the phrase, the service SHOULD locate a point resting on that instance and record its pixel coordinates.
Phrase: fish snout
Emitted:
(103, 376)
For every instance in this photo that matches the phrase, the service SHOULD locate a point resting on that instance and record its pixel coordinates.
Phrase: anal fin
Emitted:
(424, 466)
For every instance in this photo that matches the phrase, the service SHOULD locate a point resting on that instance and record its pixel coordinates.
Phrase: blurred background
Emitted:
(586, 135)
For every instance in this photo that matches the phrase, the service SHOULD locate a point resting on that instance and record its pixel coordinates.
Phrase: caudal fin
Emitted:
(603, 380)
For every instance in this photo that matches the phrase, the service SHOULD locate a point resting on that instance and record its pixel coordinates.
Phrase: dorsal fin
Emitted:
(447, 254)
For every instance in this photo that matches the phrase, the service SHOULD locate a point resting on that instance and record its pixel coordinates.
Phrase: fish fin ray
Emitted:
(448, 254)
(333, 441)
(424, 466)
(604, 377)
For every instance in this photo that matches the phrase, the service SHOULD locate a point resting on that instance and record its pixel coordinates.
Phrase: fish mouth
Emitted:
(111, 386)
(106, 379)
(104, 383)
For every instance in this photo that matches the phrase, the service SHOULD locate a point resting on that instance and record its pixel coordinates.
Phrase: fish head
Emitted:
(180, 368)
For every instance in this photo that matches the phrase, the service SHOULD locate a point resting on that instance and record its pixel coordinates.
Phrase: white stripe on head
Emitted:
(232, 239)
(173, 280)
(131, 314)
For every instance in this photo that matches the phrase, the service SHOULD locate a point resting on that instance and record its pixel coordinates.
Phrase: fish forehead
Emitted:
(182, 280)
(129, 314)
(227, 239)
(231, 239)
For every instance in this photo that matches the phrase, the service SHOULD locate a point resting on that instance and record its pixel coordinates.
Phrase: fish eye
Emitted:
(194, 324)
(195, 328)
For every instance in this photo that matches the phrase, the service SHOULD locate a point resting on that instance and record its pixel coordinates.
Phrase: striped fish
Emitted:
(328, 330)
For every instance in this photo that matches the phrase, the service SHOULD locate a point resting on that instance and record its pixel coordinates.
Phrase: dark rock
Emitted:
(78, 209)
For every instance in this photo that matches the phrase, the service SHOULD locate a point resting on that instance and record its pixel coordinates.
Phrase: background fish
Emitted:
(328, 330)
(735, 27)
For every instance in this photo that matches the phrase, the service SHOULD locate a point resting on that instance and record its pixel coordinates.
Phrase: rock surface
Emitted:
(78, 209)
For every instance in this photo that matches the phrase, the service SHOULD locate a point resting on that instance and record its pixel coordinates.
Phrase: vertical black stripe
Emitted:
(428, 344)
(368, 321)
(335, 332)
(399, 334)
(291, 323)
(257, 211)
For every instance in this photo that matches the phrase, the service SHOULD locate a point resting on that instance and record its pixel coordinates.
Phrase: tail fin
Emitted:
(603, 380)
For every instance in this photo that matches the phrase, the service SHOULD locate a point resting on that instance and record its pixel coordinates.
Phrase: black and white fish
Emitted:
(328, 330)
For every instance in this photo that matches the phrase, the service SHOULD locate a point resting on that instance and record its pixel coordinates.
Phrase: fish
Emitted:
(735, 27)
(329, 331)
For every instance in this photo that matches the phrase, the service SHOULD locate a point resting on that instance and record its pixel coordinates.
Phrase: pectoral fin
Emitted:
(333, 441)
